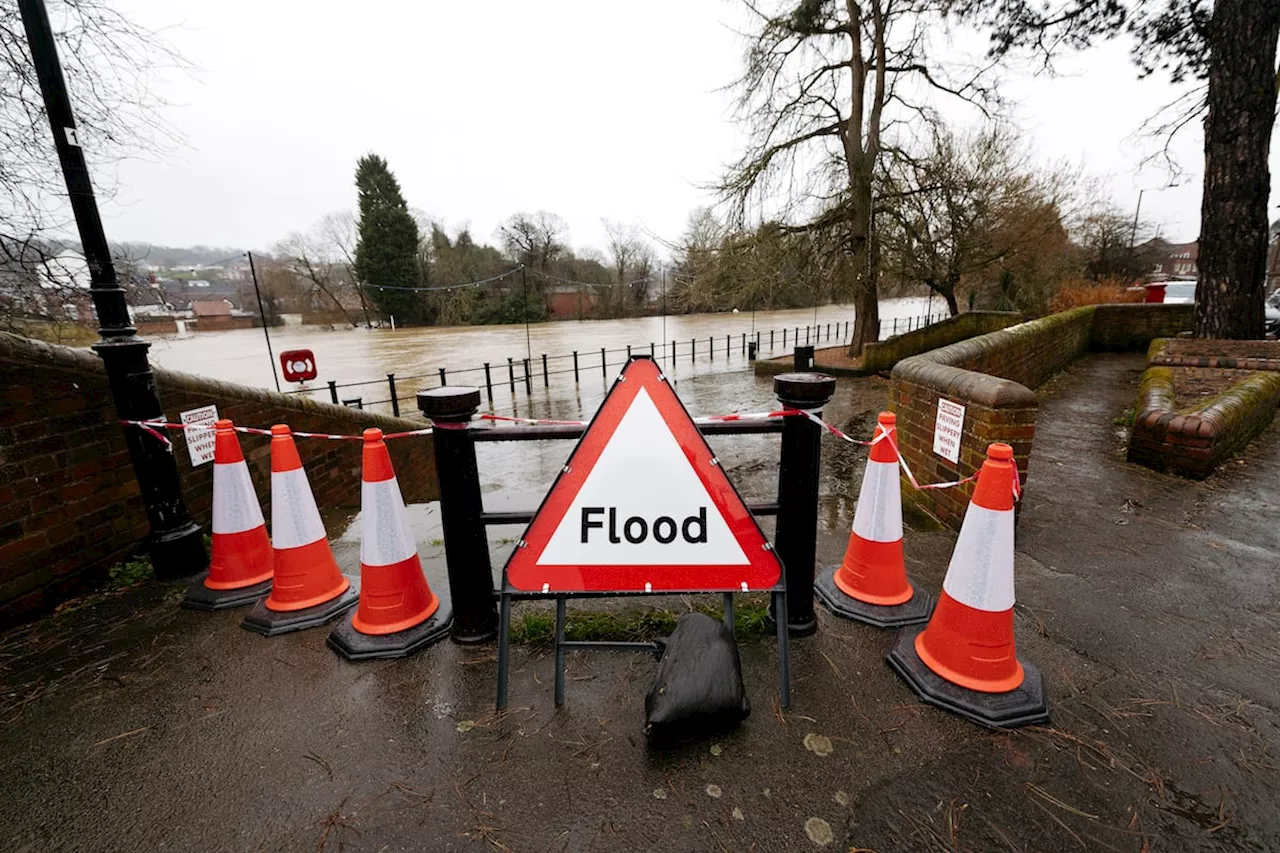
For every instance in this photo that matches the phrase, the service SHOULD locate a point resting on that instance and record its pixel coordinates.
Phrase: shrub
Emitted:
(1105, 291)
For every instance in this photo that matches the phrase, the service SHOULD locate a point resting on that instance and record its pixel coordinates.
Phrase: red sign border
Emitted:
(288, 355)
(522, 572)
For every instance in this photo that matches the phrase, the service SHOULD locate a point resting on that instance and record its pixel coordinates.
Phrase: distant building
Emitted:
(211, 308)
(1178, 261)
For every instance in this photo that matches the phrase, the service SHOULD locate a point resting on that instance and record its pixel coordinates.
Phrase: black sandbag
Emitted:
(698, 690)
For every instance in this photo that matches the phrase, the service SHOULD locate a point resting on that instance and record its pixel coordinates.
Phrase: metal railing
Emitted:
(526, 372)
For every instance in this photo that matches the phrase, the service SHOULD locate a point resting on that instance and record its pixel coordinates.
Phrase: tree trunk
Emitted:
(952, 305)
(1237, 180)
(864, 263)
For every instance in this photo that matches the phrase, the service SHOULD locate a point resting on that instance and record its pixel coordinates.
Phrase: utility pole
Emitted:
(175, 541)
(524, 285)
(271, 357)
(1133, 234)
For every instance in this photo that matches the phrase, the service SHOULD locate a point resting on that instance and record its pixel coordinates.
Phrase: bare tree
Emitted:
(632, 260)
(324, 259)
(1228, 47)
(534, 239)
(107, 60)
(828, 88)
(969, 203)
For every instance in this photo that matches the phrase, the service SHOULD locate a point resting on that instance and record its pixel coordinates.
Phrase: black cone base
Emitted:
(200, 597)
(270, 623)
(1020, 707)
(353, 645)
(914, 611)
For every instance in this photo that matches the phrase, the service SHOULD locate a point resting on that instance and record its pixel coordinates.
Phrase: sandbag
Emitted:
(698, 690)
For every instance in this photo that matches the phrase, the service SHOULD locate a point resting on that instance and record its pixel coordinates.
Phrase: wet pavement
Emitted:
(1149, 604)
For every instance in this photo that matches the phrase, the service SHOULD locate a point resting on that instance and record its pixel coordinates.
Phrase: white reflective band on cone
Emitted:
(878, 517)
(235, 503)
(295, 521)
(385, 536)
(981, 571)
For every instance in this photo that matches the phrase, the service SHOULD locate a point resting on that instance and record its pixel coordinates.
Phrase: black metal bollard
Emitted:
(488, 382)
(803, 359)
(395, 402)
(796, 537)
(466, 549)
(333, 391)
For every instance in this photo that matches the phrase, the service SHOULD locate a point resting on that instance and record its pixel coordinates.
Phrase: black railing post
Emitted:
(511, 374)
(803, 358)
(333, 392)
(806, 336)
(488, 382)
(651, 355)
(895, 326)
(395, 402)
(711, 345)
(604, 367)
(628, 352)
(444, 380)
(728, 345)
(744, 343)
(784, 338)
(546, 381)
(528, 381)
(799, 470)
(466, 549)
(771, 340)
(693, 349)
(575, 367)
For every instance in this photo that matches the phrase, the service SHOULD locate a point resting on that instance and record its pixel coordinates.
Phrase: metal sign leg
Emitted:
(504, 649)
(784, 649)
(728, 611)
(560, 620)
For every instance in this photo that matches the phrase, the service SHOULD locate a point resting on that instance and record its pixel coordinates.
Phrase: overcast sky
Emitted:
(587, 109)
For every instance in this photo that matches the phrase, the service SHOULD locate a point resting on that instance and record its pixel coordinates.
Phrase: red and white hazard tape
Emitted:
(154, 427)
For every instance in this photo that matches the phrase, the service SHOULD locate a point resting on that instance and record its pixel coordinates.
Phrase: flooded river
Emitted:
(516, 475)
(359, 359)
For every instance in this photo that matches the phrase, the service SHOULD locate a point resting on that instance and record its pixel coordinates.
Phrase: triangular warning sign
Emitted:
(642, 505)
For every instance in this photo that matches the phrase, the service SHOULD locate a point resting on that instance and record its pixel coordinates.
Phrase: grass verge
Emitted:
(750, 619)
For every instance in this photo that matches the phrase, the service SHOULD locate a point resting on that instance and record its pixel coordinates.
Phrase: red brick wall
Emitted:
(69, 503)
(1175, 429)
(992, 376)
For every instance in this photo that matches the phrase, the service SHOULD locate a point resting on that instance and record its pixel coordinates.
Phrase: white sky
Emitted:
(587, 109)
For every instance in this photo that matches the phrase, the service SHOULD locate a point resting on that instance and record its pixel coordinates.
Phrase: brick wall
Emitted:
(69, 503)
(992, 376)
(1193, 438)
(883, 355)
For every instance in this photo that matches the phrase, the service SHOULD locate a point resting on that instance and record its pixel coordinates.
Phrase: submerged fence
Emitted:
(525, 373)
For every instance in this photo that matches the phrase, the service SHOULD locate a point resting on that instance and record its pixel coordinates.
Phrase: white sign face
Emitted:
(200, 441)
(643, 505)
(948, 429)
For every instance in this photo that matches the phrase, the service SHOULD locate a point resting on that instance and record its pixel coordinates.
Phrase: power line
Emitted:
(494, 278)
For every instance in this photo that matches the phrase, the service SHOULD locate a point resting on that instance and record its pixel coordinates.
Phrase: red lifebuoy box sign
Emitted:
(643, 505)
(298, 365)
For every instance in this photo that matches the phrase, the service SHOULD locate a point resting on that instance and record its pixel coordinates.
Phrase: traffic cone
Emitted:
(240, 566)
(871, 584)
(309, 589)
(965, 660)
(398, 613)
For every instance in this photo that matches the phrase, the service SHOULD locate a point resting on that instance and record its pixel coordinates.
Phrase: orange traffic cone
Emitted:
(871, 583)
(308, 589)
(398, 613)
(240, 566)
(964, 660)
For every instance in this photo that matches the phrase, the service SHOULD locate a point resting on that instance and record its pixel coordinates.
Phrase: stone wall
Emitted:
(69, 503)
(992, 376)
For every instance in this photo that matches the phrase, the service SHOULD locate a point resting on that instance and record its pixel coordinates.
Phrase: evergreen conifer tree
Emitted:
(386, 252)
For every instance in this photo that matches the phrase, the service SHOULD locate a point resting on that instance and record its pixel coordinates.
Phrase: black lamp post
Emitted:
(176, 545)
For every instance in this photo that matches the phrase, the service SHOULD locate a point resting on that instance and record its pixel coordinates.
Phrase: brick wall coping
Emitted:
(17, 348)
